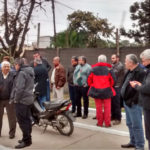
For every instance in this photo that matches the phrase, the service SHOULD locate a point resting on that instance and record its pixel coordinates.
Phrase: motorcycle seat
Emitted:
(53, 104)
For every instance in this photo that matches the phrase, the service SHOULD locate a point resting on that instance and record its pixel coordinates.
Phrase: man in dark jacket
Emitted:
(74, 63)
(6, 83)
(48, 67)
(118, 69)
(144, 89)
(131, 103)
(41, 76)
(22, 96)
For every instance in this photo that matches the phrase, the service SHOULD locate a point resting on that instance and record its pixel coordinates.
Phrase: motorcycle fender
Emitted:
(69, 114)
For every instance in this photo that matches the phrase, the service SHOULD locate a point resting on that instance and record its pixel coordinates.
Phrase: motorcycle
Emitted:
(56, 114)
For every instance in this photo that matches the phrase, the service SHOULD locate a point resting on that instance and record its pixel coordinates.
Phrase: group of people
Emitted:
(110, 84)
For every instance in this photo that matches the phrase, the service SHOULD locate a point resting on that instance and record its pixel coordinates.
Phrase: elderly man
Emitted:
(80, 77)
(144, 96)
(6, 82)
(101, 81)
(118, 69)
(58, 79)
(131, 103)
(22, 96)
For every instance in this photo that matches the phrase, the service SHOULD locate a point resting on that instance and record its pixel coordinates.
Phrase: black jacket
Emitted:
(131, 95)
(144, 95)
(6, 85)
(70, 75)
(41, 76)
(23, 85)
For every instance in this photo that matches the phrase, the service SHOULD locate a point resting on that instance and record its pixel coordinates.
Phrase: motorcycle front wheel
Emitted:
(65, 125)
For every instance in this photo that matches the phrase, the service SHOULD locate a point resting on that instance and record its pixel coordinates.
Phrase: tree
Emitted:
(15, 20)
(70, 39)
(140, 14)
(93, 27)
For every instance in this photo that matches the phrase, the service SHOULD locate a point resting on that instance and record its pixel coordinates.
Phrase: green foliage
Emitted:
(85, 30)
(140, 14)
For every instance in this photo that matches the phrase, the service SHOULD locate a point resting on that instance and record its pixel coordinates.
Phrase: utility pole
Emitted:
(117, 41)
(38, 35)
(54, 23)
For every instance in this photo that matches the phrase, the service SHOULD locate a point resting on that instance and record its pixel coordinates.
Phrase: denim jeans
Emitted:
(48, 91)
(72, 97)
(41, 100)
(134, 123)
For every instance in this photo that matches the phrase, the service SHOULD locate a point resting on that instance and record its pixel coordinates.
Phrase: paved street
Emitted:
(86, 136)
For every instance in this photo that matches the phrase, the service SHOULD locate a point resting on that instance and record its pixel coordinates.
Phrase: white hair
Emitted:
(133, 58)
(5, 63)
(102, 58)
(145, 54)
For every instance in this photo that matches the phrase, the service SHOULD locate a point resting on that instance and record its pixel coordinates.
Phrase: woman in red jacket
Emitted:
(101, 81)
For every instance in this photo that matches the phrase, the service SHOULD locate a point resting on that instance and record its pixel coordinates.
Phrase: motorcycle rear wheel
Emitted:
(65, 125)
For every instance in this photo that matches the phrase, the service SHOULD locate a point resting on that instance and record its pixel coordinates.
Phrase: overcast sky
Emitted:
(116, 11)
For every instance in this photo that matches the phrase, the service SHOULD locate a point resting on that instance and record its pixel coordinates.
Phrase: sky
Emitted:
(115, 11)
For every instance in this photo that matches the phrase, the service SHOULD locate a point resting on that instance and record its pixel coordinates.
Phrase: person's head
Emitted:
(6, 58)
(20, 62)
(82, 60)
(5, 67)
(131, 61)
(37, 61)
(56, 61)
(114, 58)
(36, 54)
(102, 58)
(74, 60)
(145, 57)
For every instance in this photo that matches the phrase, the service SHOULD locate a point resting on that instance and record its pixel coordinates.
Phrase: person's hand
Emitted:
(134, 83)
(57, 87)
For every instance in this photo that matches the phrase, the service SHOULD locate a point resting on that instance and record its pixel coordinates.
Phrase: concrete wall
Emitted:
(91, 54)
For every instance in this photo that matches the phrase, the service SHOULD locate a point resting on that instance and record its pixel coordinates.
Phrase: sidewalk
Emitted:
(86, 136)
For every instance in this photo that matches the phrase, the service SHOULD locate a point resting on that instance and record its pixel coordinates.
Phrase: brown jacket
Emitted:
(60, 76)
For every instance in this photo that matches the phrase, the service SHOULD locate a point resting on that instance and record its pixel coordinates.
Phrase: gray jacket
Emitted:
(23, 85)
(119, 71)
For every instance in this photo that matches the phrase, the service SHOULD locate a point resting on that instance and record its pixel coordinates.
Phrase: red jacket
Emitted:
(101, 81)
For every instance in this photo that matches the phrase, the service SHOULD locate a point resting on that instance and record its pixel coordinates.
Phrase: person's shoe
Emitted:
(94, 118)
(22, 145)
(84, 116)
(20, 141)
(99, 125)
(11, 136)
(116, 122)
(77, 115)
(108, 126)
(127, 145)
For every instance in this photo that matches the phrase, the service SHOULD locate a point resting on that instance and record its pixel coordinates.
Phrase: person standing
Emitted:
(41, 76)
(101, 82)
(58, 79)
(48, 67)
(80, 76)
(118, 69)
(6, 83)
(22, 96)
(131, 103)
(74, 63)
(144, 96)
